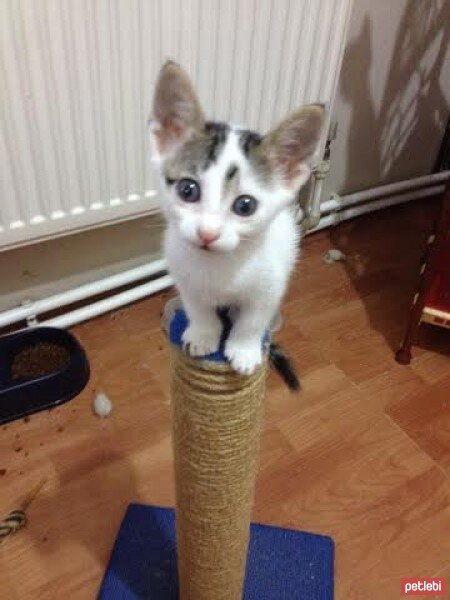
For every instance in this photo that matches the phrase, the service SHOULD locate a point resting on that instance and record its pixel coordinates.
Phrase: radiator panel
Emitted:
(78, 77)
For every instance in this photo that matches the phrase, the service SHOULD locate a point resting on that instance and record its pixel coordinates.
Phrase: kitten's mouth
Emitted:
(204, 247)
(211, 248)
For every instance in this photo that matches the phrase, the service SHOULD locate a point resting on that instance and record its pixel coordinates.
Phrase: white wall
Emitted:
(38, 270)
(393, 98)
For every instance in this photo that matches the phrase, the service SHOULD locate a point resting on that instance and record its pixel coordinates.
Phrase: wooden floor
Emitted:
(362, 454)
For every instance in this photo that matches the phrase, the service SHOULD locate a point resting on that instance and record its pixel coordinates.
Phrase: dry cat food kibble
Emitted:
(38, 360)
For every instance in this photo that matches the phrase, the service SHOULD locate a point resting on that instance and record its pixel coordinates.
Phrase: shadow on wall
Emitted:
(413, 108)
(413, 111)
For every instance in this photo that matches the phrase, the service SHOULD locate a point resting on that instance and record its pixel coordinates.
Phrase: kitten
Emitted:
(228, 198)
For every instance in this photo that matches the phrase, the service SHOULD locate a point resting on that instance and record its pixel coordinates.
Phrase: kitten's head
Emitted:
(224, 184)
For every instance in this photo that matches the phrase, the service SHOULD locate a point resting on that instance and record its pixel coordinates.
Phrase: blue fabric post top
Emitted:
(282, 564)
(179, 322)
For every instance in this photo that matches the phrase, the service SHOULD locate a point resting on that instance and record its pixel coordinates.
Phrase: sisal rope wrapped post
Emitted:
(217, 417)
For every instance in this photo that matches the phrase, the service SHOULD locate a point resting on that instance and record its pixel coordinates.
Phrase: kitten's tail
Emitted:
(281, 363)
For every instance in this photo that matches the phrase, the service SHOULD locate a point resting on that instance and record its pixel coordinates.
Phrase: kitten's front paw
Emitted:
(201, 340)
(244, 357)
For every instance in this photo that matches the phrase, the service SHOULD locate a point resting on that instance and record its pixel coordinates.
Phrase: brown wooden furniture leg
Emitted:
(403, 355)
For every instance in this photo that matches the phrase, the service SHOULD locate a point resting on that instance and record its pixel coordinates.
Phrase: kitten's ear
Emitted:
(291, 145)
(176, 111)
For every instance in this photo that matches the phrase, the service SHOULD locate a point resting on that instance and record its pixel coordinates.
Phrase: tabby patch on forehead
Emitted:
(253, 149)
(231, 172)
(217, 134)
(248, 140)
(199, 152)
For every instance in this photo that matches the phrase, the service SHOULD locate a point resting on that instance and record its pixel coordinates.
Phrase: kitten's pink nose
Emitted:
(207, 236)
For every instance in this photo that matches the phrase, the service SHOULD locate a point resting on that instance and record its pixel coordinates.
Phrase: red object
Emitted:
(438, 295)
(432, 301)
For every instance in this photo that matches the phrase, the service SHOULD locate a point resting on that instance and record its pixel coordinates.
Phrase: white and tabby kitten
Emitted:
(228, 196)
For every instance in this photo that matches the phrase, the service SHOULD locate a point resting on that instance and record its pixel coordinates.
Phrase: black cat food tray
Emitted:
(39, 368)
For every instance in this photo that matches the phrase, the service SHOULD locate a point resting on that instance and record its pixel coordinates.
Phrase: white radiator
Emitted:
(77, 79)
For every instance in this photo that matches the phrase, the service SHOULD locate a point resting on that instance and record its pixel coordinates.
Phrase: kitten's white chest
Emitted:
(225, 279)
(198, 273)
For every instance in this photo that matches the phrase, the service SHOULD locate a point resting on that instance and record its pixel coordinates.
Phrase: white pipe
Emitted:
(81, 293)
(339, 202)
(111, 303)
(349, 210)
(356, 211)
(118, 300)
(324, 222)
(316, 193)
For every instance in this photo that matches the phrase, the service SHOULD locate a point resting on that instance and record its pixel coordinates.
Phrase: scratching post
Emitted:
(217, 418)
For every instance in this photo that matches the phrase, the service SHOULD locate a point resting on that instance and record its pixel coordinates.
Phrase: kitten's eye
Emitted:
(188, 190)
(244, 206)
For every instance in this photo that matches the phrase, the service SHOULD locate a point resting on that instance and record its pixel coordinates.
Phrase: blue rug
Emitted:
(282, 564)
(179, 323)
